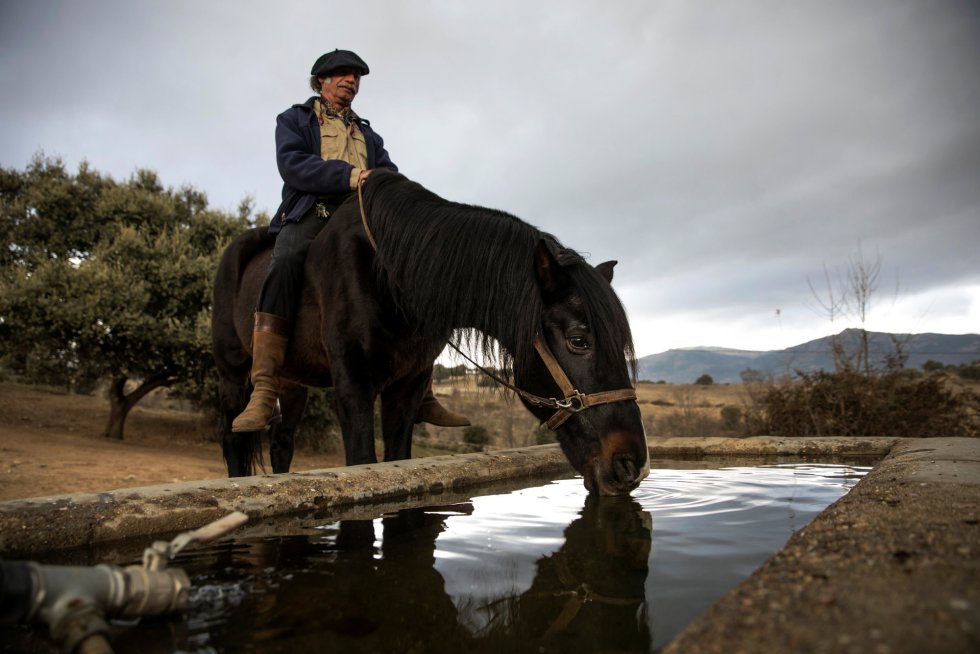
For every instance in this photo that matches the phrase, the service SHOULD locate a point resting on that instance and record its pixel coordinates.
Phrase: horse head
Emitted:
(584, 326)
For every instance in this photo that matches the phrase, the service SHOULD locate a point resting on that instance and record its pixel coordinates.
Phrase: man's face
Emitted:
(340, 86)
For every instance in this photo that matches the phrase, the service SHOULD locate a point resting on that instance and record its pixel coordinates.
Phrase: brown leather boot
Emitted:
(269, 340)
(435, 414)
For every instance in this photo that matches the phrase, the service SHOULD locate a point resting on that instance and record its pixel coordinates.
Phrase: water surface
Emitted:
(543, 569)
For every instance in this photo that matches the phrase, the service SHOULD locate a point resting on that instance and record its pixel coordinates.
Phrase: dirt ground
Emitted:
(51, 443)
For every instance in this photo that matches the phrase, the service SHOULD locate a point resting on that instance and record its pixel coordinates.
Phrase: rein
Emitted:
(573, 400)
(360, 205)
(579, 593)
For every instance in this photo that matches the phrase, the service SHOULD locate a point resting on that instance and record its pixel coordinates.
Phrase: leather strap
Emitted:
(564, 383)
(360, 205)
(575, 400)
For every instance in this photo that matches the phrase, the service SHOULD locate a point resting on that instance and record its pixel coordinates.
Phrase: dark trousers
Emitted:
(280, 291)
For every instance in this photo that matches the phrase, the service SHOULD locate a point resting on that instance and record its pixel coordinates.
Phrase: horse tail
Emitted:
(252, 453)
(242, 452)
(231, 266)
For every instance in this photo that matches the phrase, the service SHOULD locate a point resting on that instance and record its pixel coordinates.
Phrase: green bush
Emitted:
(440, 372)
(543, 435)
(969, 371)
(476, 435)
(485, 381)
(731, 418)
(319, 430)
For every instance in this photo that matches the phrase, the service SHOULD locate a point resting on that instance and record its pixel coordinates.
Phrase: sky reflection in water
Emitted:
(708, 529)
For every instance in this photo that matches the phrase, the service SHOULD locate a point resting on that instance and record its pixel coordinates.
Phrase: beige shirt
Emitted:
(341, 141)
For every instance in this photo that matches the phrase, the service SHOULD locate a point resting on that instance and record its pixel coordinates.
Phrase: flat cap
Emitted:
(338, 59)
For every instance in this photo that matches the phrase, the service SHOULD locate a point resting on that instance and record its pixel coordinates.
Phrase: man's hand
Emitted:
(363, 176)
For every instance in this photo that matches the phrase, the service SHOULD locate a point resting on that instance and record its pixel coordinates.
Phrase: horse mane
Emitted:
(451, 266)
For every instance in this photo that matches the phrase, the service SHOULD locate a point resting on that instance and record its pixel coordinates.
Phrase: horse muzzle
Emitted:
(618, 466)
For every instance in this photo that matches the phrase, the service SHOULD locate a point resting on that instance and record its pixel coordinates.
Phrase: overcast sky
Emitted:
(723, 152)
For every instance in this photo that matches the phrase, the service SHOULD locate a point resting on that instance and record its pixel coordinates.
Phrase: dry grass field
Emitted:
(50, 441)
(667, 409)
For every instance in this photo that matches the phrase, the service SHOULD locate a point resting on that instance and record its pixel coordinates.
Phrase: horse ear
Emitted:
(546, 266)
(606, 269)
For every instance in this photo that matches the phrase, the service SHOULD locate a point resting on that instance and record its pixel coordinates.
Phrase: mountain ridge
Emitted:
(725, 365)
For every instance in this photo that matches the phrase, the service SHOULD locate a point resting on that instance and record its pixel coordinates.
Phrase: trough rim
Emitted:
(63, 522)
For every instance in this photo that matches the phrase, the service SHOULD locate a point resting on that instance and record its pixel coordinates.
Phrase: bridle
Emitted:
(573, 401)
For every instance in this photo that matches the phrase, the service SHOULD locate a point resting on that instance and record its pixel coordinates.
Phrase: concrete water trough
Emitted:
(893, 566)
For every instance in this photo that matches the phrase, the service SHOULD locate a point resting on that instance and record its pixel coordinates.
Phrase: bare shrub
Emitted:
(848, 403)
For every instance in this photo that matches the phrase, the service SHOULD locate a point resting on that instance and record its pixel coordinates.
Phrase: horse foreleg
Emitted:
(292, 402)
(355, 410)
(399, 406)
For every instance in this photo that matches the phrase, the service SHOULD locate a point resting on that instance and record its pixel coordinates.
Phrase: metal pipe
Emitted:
(75, 601)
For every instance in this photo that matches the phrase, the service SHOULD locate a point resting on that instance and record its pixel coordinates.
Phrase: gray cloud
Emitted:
(722, 152)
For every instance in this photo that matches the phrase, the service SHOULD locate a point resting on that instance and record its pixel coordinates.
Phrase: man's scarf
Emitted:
(324, 109)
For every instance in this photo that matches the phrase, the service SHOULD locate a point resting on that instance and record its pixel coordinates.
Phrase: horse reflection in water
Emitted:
(589, 596)
(351, 592)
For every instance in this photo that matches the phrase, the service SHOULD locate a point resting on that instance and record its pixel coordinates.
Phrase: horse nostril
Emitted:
(625, 468)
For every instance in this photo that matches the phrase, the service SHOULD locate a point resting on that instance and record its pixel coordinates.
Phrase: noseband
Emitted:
(564, 408)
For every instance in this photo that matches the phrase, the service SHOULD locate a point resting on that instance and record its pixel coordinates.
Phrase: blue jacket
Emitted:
(305, 174)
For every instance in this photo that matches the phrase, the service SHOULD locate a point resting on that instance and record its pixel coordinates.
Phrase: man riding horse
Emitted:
(323, 150)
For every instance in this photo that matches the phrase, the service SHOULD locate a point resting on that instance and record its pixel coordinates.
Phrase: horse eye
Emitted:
(578, 344)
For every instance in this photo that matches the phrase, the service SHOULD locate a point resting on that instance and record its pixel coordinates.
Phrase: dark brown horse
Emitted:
(371, 322)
